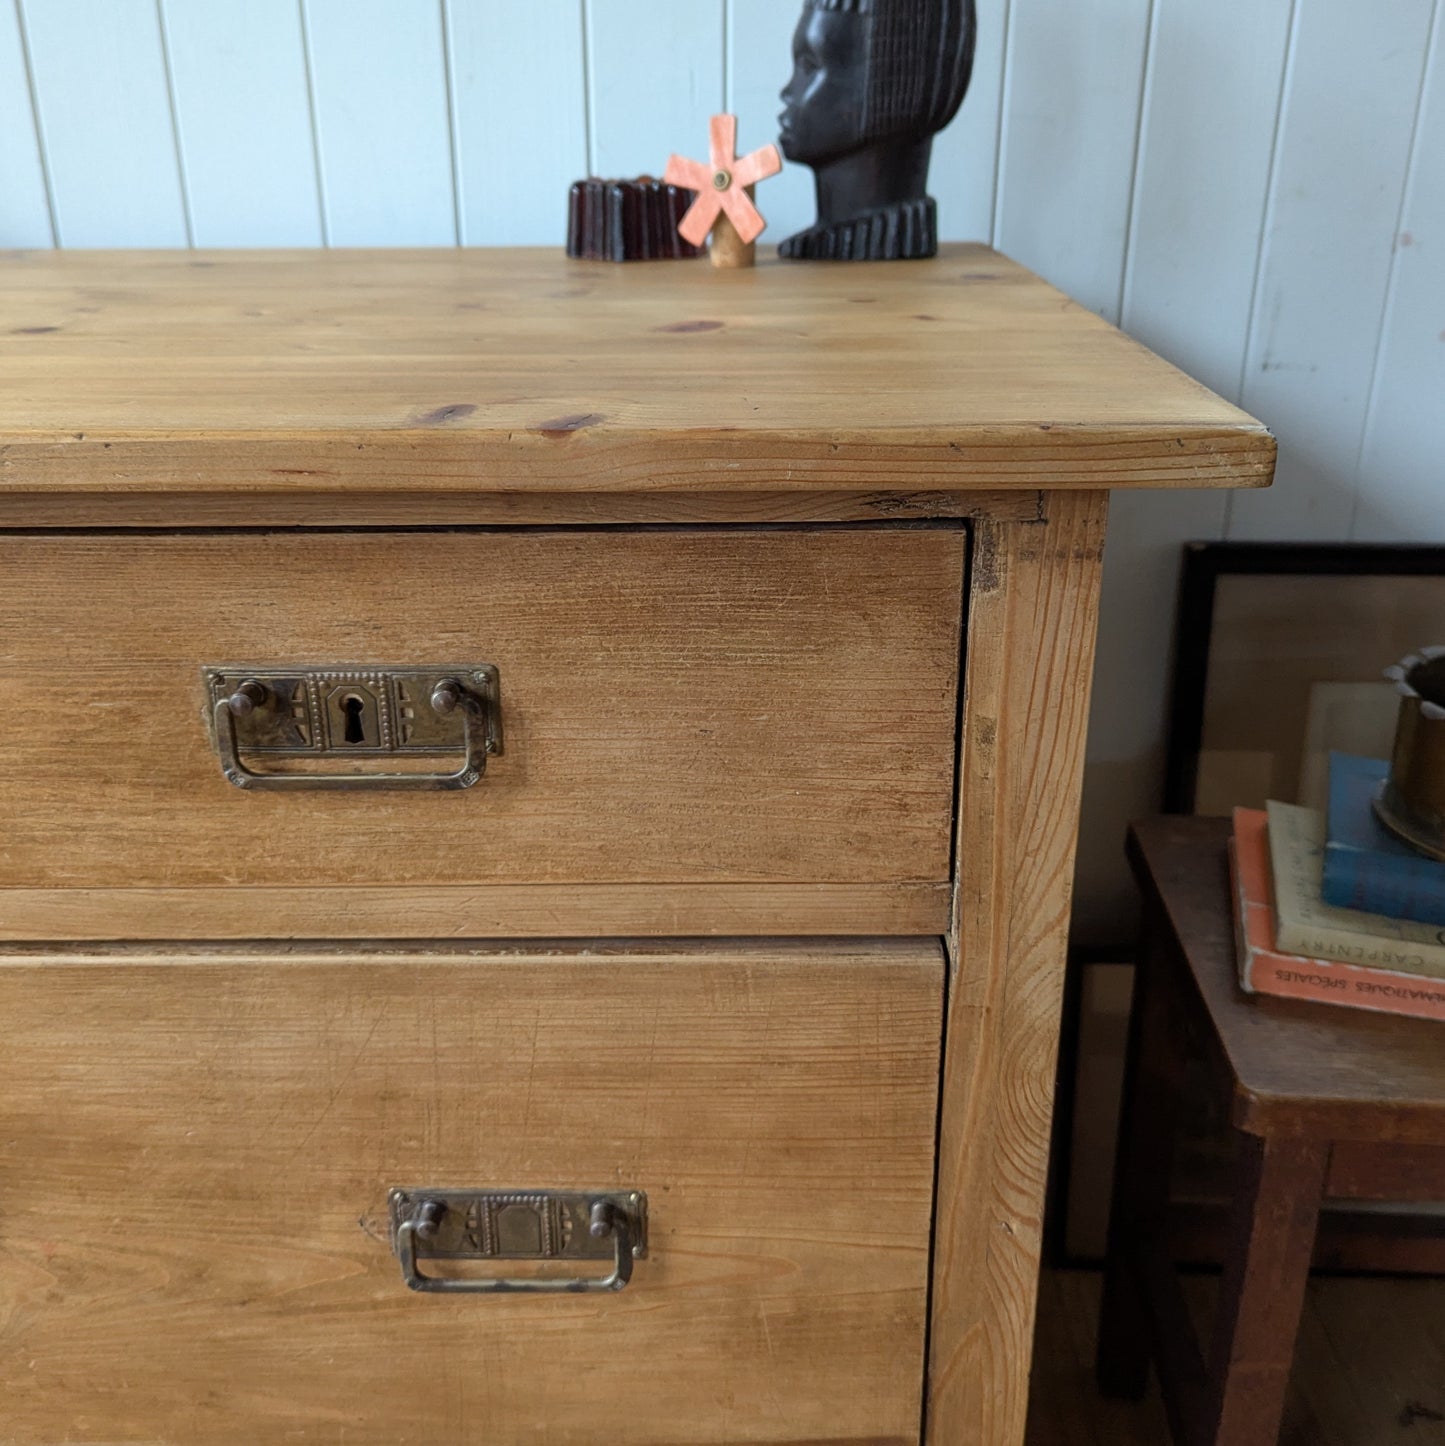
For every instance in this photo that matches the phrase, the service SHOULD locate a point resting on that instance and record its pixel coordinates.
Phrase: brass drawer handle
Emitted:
(361, 713)
(538, 1225)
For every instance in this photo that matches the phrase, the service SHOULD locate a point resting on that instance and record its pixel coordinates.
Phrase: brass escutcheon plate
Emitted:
(261, 713)
(353, 712)
(518, 1224)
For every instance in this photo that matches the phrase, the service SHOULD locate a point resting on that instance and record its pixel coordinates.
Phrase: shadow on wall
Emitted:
(1129, 722)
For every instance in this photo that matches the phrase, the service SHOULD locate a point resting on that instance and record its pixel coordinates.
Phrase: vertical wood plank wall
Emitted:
(1255, 188)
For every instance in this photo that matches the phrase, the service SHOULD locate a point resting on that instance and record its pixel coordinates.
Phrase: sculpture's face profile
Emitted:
(873, 82)
(822, 117)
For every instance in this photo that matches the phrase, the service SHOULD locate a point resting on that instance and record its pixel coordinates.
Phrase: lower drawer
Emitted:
(196, 1152)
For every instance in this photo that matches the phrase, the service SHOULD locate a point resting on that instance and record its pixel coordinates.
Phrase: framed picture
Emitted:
(1279, 658)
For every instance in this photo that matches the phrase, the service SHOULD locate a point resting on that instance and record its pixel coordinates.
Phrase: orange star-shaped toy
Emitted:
(723, 186)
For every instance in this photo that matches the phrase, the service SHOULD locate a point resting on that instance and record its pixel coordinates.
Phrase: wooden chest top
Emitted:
(521, 371)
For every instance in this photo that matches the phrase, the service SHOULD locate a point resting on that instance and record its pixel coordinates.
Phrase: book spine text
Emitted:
(1344, 984)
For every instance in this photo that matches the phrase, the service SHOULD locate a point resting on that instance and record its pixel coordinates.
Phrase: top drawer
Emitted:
(729, 730)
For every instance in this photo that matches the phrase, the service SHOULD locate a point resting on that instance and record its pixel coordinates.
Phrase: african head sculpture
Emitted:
(873, 82)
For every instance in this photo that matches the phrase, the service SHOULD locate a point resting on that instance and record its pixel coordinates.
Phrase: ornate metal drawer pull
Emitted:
(360, 713)
(536, 1225)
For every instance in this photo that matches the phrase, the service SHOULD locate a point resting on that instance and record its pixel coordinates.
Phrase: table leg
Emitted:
(1276, 1209)
(1142, 1168)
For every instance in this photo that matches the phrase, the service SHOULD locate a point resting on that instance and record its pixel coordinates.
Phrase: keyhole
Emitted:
(354, 708)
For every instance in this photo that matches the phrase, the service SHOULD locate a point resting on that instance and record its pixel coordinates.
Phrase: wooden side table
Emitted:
(1329, 1104)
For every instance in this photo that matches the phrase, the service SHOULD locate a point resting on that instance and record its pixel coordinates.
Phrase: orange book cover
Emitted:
(1264, 970)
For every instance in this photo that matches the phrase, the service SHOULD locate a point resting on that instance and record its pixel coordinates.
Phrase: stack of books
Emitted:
(1335, 908)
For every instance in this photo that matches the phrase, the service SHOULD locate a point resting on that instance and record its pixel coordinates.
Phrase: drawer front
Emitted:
(195, 1158)
(735, 720)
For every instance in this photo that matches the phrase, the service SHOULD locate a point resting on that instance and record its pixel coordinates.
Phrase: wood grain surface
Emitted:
(475, 911)
(498, 509)
(197, 1150)
(719, 707)
(519, 371)
(1032, 617)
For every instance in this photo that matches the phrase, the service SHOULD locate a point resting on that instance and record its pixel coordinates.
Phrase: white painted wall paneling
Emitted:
(24, 205)
(1211, 112)
(964, 176)
(383, 123)
(1351, 96)
(655, 75)
(1073, 81)
(243, 117)
(1401, 490)
(1211, 105)
(103, 99)
(519, 110)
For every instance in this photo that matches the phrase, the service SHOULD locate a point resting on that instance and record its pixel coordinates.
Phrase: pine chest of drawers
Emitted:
(537, 806)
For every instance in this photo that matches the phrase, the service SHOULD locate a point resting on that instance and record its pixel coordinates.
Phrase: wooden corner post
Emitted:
(1033, 611)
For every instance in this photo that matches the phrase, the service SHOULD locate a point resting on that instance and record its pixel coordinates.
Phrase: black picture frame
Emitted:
(1205, 564)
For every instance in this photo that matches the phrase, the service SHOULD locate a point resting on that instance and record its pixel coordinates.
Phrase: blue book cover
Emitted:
(1366, 866)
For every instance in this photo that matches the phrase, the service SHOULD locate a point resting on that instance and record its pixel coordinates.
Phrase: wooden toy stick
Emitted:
(728, 251)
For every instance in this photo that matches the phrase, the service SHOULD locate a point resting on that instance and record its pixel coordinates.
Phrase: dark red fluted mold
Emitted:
(627, 221)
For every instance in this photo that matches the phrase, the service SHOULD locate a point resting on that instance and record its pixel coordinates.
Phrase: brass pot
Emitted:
(1412, 803)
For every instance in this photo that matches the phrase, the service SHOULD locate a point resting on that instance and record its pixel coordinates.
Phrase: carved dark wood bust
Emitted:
(873, 82)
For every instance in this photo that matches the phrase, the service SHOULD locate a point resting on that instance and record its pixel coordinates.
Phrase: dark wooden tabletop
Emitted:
(1302, 1068)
